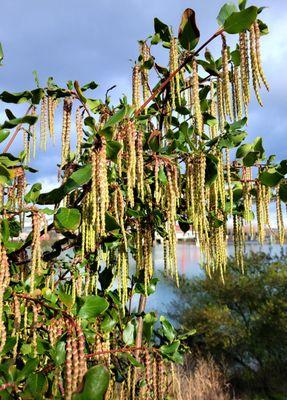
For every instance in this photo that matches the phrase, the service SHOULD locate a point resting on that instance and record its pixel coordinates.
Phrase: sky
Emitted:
(97, 40)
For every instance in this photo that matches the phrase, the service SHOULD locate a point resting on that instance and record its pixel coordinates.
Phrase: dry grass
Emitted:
(202, 381)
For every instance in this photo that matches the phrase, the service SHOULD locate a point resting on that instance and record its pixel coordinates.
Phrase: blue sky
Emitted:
(97, 40)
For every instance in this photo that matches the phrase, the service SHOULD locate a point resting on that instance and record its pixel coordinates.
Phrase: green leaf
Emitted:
(149, 321)
(211, 170)
(77, 179)
(91, 85)
(67, 219)
(96, 382)
(109, 321)
(250, 159)
(283, 191)
(116, 118)
(66, 298)
(15, 98)
(113, 149)
(5, 230)
(168, 349)
(111, 223)
(271, 177)
(243, 150)
(60, 353)
(37, 385)
(225, 12)
(240, 21)
(128, 334)
(34, 193)
(162, 30)
(188, 34)
(5, 174)
(242, 4)
(1, 53)
(93, 306)
(235, 57)
(4, 134)
(27, 119)
(167, 328)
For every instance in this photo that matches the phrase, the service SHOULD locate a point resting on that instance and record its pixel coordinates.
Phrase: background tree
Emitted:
(242, 322)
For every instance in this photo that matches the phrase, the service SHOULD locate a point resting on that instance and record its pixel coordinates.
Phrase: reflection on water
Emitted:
(189, 264)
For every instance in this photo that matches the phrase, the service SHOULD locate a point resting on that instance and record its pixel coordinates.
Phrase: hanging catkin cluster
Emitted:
(4, 282)
(198, 120)
(280, 221)
(136, 87)
(75, 364)
(171, 201)
(173, 66)
(52, 104)
(133, 167)
(96, 201)
(36, 249)
(145, 56)
(196, 198)
(44, 123)
(66, 130)
(79, 129)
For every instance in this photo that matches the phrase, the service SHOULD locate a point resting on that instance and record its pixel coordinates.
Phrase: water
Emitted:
(188, 256)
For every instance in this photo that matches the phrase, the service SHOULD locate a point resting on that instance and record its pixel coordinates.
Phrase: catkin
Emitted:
(136, 86)
(225, 78)
(280, 221)
(173, 67)
(44, 123)
(145, 55)
(244, 67)
(66, 130)
(196, 100)
(258, 55)
(254, 64)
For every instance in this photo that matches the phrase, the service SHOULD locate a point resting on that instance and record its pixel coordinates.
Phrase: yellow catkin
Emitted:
(171, 211)
(100, 189)
(225, 78)
(44, 123)
(213, 128)
(66, 131)
(173, 66)
(145, 55)
(196, 100)
(260, 213)
(238, 238)
(79, 129)
(220, 104)
(258, 55)
(228, 178)
(254, 65)
(36, 250)
(26, 146)
(69, 369)
(136, 86)
(237, 92)
(52, 104)
(130, 132)
(221, 180)
(244, 67)
(4, 282)
(280, 221)
(33, 131)
(140, 165)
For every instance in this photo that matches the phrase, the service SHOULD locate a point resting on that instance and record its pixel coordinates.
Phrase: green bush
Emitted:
(242, 322)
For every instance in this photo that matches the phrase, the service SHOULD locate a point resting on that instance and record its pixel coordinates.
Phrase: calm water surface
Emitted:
(189, 264)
